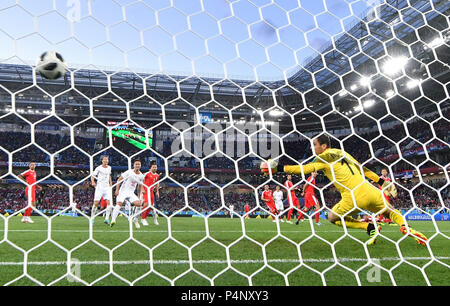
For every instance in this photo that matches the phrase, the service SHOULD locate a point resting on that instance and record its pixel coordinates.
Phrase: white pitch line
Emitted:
(211, 231)
(184, 262)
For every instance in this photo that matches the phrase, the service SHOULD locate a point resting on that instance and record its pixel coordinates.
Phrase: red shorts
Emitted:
(310, 200)
(294, 201)
(271, 206)
(103, 203)
(33, 193)
(152, 198)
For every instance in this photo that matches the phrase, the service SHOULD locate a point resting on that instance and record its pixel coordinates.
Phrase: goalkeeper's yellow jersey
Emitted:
(343, 166)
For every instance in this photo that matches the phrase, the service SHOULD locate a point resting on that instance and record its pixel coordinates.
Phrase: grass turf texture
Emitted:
(168, 258)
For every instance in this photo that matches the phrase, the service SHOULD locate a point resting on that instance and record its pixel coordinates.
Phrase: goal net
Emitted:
(207, 91)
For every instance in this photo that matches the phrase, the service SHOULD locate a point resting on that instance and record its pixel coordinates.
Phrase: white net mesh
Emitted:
(207, 90)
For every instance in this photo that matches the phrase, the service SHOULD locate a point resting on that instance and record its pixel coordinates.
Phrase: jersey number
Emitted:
(344, 161)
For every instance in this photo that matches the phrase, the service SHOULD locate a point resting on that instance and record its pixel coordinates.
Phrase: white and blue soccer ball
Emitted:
(51, 65)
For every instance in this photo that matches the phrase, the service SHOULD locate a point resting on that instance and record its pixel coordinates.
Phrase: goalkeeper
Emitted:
(341, 168)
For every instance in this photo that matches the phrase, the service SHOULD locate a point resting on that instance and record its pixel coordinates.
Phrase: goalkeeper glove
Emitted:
(388, 188)
(273, 165)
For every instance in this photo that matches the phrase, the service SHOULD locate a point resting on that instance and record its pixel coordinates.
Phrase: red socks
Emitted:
(290, 214)
(317, 215)
(146, 212)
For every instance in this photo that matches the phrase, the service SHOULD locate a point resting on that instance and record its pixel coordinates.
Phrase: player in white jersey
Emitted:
(102, 182)
(278, 198)
(125, 191)
(231, 210)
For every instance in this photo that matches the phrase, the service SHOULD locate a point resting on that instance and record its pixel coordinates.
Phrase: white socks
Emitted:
(136, 212)
(93, 211)
(155, 215)
(115, 213)
(108, 211)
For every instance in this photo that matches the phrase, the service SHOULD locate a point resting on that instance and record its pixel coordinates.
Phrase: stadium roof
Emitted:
(324, 84)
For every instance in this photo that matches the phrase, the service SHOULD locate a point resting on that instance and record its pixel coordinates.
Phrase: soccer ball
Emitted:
(51, 65)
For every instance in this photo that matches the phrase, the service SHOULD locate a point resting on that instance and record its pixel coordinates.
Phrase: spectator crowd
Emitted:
(410, 137)
(205, 198)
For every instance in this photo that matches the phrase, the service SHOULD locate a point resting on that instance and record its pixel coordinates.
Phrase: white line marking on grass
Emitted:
(212, 231)
(185, 262)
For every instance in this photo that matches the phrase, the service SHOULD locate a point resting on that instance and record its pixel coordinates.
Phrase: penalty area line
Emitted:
(185, 262)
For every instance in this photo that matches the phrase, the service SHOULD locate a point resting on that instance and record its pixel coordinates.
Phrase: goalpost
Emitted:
(208, 90)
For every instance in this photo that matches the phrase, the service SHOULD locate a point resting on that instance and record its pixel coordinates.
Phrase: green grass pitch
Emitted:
(150, 256)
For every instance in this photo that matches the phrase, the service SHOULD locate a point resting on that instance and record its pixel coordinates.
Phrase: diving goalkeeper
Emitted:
(341, 168)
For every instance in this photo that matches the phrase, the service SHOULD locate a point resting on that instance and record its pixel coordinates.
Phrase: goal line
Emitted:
(186, 262)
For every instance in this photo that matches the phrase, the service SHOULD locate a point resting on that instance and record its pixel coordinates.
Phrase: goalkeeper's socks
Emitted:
(115, 213)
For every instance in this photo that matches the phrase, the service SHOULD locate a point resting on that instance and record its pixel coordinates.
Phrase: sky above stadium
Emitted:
(240, 39)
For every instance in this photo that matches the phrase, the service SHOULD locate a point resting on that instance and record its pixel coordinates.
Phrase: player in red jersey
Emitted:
(29, 177)
(384, 176)
(267, 197)
(310, 198)
(292, 198)
(151, 178)
(247, 209)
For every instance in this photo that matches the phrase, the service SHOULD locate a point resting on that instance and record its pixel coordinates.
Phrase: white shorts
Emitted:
(279, 205)
(102, 192)
(129, 196)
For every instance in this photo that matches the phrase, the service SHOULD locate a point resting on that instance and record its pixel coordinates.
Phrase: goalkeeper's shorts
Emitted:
(366, 197)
